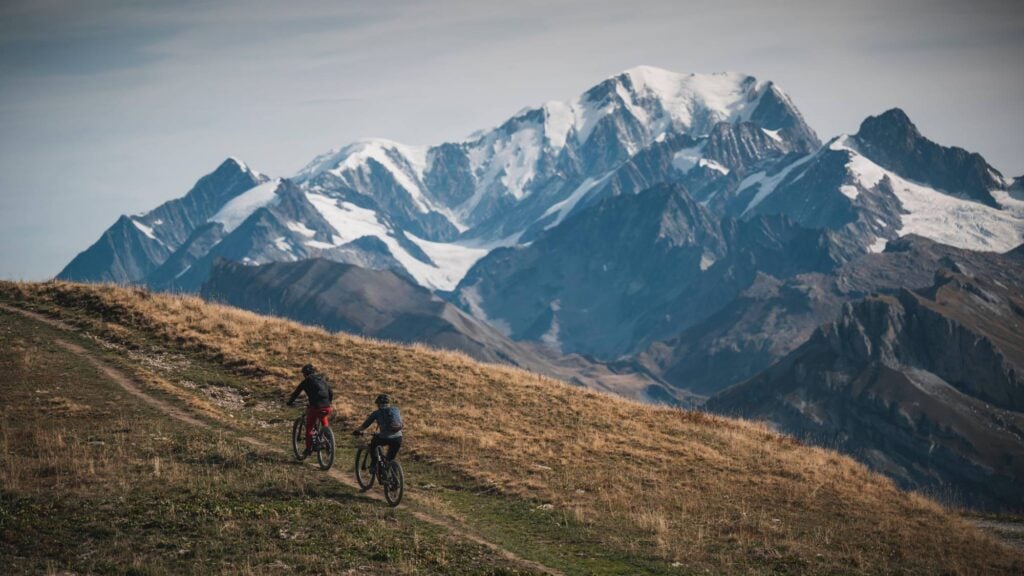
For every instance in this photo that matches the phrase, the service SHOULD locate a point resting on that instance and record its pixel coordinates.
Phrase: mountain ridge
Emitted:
(925, 384)
(728, 137)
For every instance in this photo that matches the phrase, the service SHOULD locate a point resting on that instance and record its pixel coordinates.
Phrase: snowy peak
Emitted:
(889, 181)
(661, 100)
(410, 160)
(892, 141)
(354, 164)
(512, 174)
(892, 127)
(389, 174)
(234, 163)
(695, 103)
(551, 151)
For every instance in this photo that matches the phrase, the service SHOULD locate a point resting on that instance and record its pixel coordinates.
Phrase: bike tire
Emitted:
(363, 475)
(299, 437)
(325, 456)
(394, 486)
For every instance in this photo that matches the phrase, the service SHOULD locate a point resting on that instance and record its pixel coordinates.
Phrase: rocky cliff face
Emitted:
(633, 267)
(892, 141)
(777, 313)
(924, 385)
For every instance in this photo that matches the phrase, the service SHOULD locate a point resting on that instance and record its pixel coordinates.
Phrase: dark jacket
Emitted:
(382, 416)
(317, 390)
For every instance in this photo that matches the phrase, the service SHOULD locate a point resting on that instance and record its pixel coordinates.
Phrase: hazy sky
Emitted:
(111, 107)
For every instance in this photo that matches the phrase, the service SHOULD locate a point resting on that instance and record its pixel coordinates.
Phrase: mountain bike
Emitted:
(388, 473)
(323, 441)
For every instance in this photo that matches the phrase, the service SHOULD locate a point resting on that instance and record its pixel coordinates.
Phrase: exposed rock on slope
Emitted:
(774, 315)
(926, 386)
(342, 297)
(633, 267)
(892, 141)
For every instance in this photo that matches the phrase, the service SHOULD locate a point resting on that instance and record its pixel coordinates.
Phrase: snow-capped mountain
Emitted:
(543, 162)
(431, 212)
(135, 246)
(889, 181)
(738, 145)
(554, 155)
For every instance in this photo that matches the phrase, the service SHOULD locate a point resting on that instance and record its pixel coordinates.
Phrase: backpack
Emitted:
(391, 419)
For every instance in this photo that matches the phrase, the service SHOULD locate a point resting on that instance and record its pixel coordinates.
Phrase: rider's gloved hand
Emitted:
(357, 432)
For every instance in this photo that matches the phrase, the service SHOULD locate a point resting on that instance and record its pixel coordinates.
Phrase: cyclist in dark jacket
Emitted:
(320, 396)
(389, 428)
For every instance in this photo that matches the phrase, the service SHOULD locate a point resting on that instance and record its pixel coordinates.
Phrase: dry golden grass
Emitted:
(116, 487)
(707, 491)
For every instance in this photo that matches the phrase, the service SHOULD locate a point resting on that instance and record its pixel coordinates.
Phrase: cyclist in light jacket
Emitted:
(389, 428)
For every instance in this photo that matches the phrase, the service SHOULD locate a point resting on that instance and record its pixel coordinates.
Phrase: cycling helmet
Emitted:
(308, 370)
(383, 400)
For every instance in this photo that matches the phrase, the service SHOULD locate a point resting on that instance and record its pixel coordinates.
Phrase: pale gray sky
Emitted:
(111, 107)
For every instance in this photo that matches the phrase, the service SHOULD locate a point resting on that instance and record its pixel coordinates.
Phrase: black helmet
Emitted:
(308, 370)
(383, 400)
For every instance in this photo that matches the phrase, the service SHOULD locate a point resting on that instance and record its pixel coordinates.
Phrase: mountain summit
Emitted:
(892, 141)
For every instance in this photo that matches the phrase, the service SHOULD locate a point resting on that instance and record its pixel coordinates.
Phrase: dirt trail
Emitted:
(125, 382)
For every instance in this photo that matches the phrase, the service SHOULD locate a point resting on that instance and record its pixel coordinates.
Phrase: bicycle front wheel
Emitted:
(325, 456)
(363, 464)
(299, 437)
(394, 486)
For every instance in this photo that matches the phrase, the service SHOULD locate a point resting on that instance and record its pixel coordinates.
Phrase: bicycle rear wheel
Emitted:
(299, 437)
(363, 474)
(394, 485)
(325, 455)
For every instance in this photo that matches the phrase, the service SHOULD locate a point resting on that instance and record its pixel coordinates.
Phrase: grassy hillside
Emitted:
(581, 481)
(95, 482)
